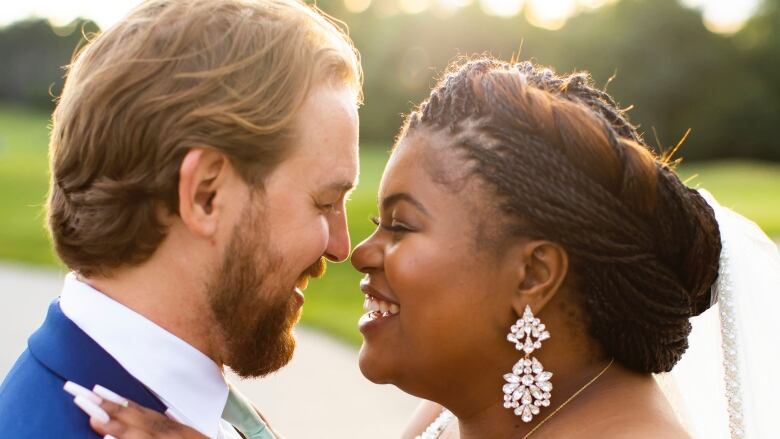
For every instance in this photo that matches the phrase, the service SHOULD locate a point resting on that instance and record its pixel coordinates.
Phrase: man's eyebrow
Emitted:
(393, 199)
(340, 186)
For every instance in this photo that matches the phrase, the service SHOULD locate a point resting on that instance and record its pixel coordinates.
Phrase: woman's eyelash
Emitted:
(391, 228)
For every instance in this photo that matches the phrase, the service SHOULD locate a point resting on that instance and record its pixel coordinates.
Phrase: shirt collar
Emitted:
(184, 378)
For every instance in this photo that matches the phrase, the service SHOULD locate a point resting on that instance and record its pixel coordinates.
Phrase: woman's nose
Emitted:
(367, 256)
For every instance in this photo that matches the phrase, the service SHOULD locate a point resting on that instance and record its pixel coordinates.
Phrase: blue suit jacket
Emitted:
(32, 401)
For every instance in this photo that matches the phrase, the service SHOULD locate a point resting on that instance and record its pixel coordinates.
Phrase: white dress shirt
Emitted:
(188, 382)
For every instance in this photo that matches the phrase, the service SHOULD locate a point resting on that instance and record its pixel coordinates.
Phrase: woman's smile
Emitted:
(378, 307)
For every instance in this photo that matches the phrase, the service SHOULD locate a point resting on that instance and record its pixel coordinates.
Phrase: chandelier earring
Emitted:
(528, 386)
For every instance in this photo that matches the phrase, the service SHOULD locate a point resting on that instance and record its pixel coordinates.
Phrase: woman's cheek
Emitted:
(415, 270)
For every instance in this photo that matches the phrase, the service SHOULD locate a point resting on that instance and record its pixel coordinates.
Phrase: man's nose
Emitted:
(338, 240)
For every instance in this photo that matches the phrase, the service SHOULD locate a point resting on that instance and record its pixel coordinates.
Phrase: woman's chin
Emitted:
(375, 366)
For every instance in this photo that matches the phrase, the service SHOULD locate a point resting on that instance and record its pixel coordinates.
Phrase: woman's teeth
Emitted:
(375, 305)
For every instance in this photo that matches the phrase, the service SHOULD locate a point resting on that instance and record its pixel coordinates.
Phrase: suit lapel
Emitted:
(71, 354)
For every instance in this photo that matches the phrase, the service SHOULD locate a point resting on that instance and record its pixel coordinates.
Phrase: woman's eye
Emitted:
(392, 227)
(396, 228)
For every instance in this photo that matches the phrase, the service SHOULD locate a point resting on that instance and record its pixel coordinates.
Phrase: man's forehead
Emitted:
(336, 178)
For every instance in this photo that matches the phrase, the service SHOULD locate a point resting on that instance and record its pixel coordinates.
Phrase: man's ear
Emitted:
(203, 177)
(541, 270)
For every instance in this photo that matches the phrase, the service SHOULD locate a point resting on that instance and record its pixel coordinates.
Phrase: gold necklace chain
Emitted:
(593, 380)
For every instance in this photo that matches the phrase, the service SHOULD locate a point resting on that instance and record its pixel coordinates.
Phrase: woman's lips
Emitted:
(369, 290)
(379, 307)
(377, 312)
(375, 319)
(375, 304)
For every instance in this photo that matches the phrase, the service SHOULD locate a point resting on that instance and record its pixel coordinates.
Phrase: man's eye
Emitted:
(329, 207)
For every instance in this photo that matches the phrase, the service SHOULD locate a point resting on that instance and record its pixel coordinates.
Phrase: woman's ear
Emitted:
(541, 270)
(203, 177)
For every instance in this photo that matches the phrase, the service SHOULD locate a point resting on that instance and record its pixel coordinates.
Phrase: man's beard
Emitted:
(253, 307)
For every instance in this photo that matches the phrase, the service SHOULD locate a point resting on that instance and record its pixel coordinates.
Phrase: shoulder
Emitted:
(631, 407)
(642, 429)
(33, 404)
(643, 422)
(422, 417)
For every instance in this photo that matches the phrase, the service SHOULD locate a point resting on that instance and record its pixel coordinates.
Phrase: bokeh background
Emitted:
(708, 66)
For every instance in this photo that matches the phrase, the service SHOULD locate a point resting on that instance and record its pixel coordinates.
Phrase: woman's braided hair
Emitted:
(568, 166)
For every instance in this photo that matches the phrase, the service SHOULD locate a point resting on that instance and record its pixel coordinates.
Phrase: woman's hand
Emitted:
(136, 422)
(113, 416)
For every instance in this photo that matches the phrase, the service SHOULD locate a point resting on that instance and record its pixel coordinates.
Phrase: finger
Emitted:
(115, 404)
(110, 396)
(91, 409)
(132, 414)
(77, 390)
(137, 420)
(100, 428)
(101, 422)
(166, 430)
(170, 413)
(98, 418)
(117, 430)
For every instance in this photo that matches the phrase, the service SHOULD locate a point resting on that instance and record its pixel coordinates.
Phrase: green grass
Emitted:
(333, 303)
(23, 185)
(750, 188)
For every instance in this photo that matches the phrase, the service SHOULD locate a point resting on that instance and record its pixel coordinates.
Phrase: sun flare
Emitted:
(721, 16)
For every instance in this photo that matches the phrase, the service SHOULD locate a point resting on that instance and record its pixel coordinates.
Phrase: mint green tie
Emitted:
(240, 413)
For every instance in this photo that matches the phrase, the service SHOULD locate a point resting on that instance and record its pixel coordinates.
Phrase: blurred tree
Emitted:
(33, 54)
(755, 123)
(676, 73)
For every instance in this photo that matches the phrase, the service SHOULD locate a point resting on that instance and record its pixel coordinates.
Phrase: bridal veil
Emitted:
(728, 381)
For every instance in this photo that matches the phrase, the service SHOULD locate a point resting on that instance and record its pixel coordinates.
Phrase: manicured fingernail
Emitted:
(92, 409)
(108, 436)
(76, 390)
(109, 395)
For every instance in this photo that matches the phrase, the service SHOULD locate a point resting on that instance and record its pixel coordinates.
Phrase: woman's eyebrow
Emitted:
(390, 200)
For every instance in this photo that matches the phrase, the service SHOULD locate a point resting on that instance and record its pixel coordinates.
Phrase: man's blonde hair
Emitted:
(174, 74)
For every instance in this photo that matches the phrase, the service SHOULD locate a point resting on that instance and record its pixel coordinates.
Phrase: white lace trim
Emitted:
(437, 426)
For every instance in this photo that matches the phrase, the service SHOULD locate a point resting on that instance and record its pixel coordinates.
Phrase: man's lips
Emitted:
(298, 296)
(301, 285)
(317, 269)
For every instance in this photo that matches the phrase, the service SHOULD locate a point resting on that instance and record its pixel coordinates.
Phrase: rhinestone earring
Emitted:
(528, 386)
